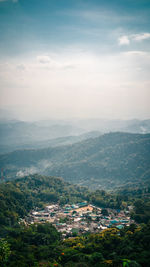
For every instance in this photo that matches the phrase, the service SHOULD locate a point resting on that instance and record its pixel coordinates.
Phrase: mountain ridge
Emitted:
(107, 161)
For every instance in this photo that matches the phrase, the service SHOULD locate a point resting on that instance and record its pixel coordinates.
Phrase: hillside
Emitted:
(19, 134)
(107, 161)
(19, 142)
(16, 134)
(40, 244)
(18, 197)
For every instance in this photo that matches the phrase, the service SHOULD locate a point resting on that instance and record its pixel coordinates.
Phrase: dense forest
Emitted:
(41, 244)
(108, 161)
(18, 197)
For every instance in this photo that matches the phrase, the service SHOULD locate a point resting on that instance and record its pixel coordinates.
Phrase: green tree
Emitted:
(4, 252)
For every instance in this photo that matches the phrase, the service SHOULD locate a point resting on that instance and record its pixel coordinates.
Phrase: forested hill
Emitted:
(41, 244)
(19, 196)
(108, 161)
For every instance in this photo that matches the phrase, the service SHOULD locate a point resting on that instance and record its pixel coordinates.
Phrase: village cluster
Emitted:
(79, 218)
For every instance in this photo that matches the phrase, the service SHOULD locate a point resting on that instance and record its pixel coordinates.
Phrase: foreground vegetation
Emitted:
(41, 245)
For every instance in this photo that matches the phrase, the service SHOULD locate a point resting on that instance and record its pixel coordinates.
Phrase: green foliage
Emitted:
(141, 212)
(4, 252)
(32, 244)
(108, 248)
(41, 245)
(18, 197)
(140, 199)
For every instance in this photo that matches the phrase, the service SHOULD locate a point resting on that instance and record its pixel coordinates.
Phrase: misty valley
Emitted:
(79, 199)
(98, 160)
(75, 133)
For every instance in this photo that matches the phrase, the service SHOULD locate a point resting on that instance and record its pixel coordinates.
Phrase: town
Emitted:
(80, 218)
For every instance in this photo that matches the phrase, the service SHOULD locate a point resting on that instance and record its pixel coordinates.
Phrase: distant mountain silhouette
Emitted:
(107, 161)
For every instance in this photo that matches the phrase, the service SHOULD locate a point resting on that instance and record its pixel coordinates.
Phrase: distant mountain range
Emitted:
(20, 135)
(104, 126)
(108, 161)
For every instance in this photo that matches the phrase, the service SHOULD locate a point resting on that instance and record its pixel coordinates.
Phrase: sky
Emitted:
(75, 59)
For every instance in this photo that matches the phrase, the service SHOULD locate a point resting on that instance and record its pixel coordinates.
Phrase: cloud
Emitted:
(99, 85)
(124, 40)
(21, 67)
(14, 1)
(136, 53)
(27, 171)
(43, 59)
(37, 168)
(97, 14)
(141, 37)
(54, 64)
(48, 63)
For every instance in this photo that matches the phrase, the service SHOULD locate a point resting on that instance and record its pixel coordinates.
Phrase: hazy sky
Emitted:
(75, 58)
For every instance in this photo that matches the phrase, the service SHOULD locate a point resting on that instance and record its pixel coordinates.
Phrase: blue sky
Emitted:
(34, 24)
(95, 51)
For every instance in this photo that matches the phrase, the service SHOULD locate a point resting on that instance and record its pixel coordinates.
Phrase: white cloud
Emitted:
(124, 40)
(53, 63)
(43, 59)
(99, 85)
(136, 53)
(141, 37)
(46, 62)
